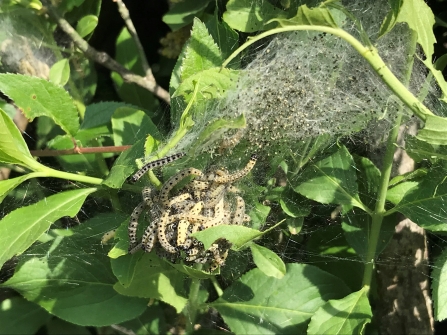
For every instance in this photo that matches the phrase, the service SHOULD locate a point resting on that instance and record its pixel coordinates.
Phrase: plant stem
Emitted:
(124, 12)
(79, 150)
(192, 307)
(379, 212)
(216, 285)
(48, 172)
(369, 53)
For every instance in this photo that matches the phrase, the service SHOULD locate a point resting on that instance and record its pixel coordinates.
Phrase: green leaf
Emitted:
(357, 231)
(130, 125)
(260, 304)
(57, 327)
(294, 205)
(92, 164)
(250, 16)
(71, 278)
(344, 316)
(60, 72)
(416, 175)
(329, 250)
(214, 131)
(36, 97)
(294, 225)
(191, 272)
(424, 204)
(397, 193)
(391, 18)
(331, 180)
(183, 13)
(124, 165)
(155, 279)
(213, 83)
(420, 150)
(439, 286)
(121, 249)
(127, 54)
(124, 267)
(100, 114)
(310, 17)
(9, 109)
(19, 316)
(226, 38)
(8, 185)
(152, 321)
(439, 78)
(368, 179)
(419, 17)
(86, 25)
(239, 236)
(201, 52)
(13, 149)
(22, 227)
(267, 261)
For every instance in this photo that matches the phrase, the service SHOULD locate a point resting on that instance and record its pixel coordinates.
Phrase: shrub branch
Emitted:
(104, 59)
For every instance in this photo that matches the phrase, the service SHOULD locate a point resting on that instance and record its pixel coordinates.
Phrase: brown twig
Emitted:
(79, 151)
(124, 12)
(104, 59)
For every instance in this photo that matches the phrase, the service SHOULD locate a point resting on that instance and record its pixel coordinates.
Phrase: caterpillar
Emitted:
(239, 213)
(239, 174)
(133, 224)
(174, 180)
(154, 164)
(162, 233)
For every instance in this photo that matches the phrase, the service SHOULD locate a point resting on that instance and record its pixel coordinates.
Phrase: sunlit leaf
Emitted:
(130, 125)
(267, 261)
(156, 279)
(22, 227)
(183, 13)
(36, 97)
(60, 72)
(439, 286)
(250, 16)
(124, 165)
(212, 84)
(331, 180)
(310, 17)
(201, 52)
(424, 204)
(19, 316)
(71, 278)
(13, 149)
(8, 185)
(260, 304)
(434, 131)
(344, 316)
(86, 25)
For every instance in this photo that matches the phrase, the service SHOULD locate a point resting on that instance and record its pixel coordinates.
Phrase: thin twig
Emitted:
(79, 151)
(103, 58)
(124, 12)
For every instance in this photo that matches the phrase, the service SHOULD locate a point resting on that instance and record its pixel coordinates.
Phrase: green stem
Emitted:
(193, 303)
(186, 123)
(216, 285)
(369, 53)
(71, 176)
(379, 212)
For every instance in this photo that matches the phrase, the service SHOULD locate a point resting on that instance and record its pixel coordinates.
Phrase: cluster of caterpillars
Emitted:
(209, 199)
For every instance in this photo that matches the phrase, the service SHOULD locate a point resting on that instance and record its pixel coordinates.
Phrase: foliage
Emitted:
(222, 110)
